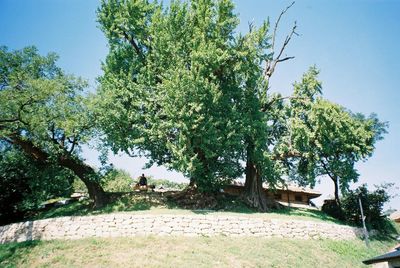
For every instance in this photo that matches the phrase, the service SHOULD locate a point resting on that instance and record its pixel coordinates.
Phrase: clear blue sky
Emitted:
(353, 43)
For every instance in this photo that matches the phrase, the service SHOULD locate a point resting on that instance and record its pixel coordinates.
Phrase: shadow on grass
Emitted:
(142, 201)
(73, 209)
(316, 214)
(10, 253)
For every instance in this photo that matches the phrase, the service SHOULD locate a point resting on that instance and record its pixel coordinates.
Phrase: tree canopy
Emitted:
(172, 86)
(44, 114)
(182, 87)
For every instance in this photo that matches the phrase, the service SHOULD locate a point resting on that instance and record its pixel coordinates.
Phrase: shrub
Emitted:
(117, 180)
(372, 202)
(25, 184)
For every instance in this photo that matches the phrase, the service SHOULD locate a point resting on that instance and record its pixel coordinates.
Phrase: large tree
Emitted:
(181, 87)
(44, 114)
(171, 86)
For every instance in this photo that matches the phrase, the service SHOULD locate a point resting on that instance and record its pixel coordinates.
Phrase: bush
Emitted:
(167, 184)
(372, 202)
(332, 208)
(117, 180)
(25, 184)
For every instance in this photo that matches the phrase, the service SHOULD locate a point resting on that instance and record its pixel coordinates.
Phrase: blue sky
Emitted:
(353, 43)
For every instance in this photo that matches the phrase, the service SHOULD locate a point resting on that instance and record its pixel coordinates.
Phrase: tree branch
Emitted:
(327, 170)
(277, 23)
(285, 59)
(73, 143)
(269, 104)
(9, 120)
(133, 44)
(271, 64)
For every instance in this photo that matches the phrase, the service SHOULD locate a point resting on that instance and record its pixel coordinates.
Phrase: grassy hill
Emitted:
(152, 251)
(173, 251)
(155, 203)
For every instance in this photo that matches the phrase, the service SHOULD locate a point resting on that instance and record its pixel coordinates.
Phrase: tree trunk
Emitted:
(193, 182)
(254, 193)
(80, 169)
(88, 176)
(336, 183)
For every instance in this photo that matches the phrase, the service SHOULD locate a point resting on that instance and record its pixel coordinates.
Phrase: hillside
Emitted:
(152, 251)
(201, 250)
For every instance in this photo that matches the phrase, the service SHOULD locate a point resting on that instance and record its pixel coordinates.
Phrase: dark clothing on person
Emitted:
(142, 181)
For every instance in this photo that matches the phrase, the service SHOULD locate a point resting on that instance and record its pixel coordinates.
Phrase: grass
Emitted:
(152, 251)
(153, 203)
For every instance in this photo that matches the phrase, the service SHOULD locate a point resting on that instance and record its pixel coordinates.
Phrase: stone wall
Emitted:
(125, 224)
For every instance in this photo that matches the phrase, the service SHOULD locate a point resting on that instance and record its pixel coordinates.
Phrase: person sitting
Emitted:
(142, 182)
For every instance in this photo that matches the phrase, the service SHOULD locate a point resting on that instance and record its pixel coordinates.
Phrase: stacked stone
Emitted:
(126, 225)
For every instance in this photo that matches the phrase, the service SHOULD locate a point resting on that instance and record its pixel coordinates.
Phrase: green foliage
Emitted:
(170, 84)
(25, 184)
(38, 99)
(183, 89)
(372, 202)
(117, 180)
(79, 187)
(166, 184)
(324, 138)
(44, 113)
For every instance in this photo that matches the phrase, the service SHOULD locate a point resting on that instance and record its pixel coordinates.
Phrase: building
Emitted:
(289, 195)
(388, 260)
(395, 216)
(294, 196)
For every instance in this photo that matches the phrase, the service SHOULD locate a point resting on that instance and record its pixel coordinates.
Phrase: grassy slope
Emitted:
(220, 251)
(149, 203)
(154, 251)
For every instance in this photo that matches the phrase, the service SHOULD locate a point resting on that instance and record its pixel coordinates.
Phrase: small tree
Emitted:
(330, 140)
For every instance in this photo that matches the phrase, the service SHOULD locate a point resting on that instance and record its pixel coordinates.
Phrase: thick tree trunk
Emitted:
(254, 193)
(88, 176)
(80, 169)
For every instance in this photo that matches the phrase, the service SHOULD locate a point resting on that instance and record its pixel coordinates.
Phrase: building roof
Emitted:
(395, 216)
(385, 257)
(288, 187)
(296, 189)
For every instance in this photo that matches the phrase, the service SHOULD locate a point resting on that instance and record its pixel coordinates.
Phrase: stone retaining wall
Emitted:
(125, 224)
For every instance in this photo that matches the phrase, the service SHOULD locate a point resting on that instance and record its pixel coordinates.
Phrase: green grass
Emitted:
(151, 203)
(152, 251)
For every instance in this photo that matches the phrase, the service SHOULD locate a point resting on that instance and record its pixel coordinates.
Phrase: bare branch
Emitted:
(287, 40)
(285, 59)
(277, 23)
(271, 64)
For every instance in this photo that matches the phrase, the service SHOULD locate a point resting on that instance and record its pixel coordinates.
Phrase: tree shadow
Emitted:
(310, 213)
(11, 252)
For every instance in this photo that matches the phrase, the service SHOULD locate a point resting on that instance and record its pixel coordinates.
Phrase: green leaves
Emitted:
(329, 138)
(181, 87)
(174, 98)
